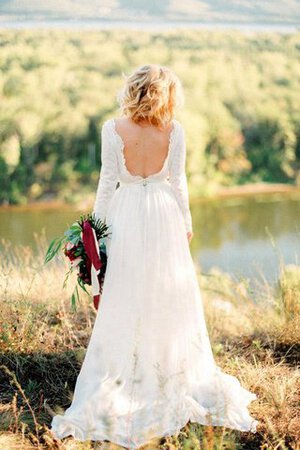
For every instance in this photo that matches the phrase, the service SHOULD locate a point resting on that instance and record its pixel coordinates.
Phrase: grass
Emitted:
(254, 334)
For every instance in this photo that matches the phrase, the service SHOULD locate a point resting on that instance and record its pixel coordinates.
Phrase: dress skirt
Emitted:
(149, 367)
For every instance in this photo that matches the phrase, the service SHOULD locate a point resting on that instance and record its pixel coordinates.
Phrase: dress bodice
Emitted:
(124, 175)
(114, 170)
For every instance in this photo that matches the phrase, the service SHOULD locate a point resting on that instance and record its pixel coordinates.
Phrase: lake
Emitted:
(98, 24)
(245, 236)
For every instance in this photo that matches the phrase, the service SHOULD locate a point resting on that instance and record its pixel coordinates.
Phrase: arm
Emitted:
(108, 174)
(178, 179)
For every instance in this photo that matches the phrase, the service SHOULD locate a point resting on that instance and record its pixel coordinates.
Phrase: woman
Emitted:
(149, 367)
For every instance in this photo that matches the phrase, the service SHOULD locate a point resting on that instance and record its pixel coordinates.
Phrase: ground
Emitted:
(42, 343)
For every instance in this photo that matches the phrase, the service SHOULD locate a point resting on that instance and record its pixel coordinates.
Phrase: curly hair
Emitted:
(151, 93)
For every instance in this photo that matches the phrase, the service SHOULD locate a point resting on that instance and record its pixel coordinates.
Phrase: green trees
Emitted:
(241, 115)
(271, 147)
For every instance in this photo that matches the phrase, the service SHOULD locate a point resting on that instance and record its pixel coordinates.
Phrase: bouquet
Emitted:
(83, 244)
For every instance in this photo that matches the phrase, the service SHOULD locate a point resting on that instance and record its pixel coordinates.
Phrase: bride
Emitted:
(149, 367)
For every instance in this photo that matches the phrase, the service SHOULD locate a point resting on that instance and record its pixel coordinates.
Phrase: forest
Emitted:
(241, 114)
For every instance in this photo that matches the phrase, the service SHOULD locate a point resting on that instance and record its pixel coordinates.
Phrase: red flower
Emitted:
(70, 251)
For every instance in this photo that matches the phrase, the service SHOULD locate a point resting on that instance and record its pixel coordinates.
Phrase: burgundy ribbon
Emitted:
(89, 243)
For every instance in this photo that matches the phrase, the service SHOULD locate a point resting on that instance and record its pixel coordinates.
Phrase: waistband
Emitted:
(143, 182)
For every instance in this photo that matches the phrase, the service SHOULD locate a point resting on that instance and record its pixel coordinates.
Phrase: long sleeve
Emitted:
(177, 177)
(108, 175)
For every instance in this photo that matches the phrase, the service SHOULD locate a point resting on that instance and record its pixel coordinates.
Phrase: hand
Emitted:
(190, 234)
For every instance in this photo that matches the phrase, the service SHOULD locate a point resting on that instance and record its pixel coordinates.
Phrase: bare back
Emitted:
(145, 146)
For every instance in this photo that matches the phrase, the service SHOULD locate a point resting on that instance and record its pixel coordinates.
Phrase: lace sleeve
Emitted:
(108, 175)
(177, 177)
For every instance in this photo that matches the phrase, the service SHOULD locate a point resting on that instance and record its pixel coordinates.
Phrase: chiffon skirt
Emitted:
(149, 367)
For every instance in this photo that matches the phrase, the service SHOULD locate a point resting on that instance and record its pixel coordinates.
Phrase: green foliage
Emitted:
(271, 147)
(73, 235)
(54, 247)
(242, 113)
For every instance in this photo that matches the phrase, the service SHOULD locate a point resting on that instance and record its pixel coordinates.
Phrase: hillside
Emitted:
(42, 345)
(246, 11)
(242, 110)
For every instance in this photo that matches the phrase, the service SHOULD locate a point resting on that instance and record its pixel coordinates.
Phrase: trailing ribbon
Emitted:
(91, 247)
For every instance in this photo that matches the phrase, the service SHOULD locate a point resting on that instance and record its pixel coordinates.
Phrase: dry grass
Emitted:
(42, 344)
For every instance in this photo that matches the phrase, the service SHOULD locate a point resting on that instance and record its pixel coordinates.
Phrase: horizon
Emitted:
(194, 13)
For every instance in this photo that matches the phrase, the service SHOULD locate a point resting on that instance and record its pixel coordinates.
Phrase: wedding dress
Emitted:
(149, 367)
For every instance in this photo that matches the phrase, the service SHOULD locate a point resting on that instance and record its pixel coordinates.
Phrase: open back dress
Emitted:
(149, 366)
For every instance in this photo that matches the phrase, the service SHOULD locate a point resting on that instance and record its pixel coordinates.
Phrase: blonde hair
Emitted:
(151, 93)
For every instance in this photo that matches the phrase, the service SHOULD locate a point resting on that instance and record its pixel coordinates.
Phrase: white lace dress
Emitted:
(149, 367)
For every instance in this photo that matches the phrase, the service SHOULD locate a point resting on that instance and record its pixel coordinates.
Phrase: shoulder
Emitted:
(178, 129)
(109, 133)
(108, 129)
(106, 133)
(114, 123)
(108, 124)
(177, 124)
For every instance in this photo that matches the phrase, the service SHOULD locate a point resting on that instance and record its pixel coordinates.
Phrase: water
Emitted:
(244, 236)
(98, 24)
(247, 237)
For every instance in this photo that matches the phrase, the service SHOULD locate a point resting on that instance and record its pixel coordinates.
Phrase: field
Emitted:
(42, 344)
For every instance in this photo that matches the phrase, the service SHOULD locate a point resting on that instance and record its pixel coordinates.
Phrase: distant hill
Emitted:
(241, 11)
